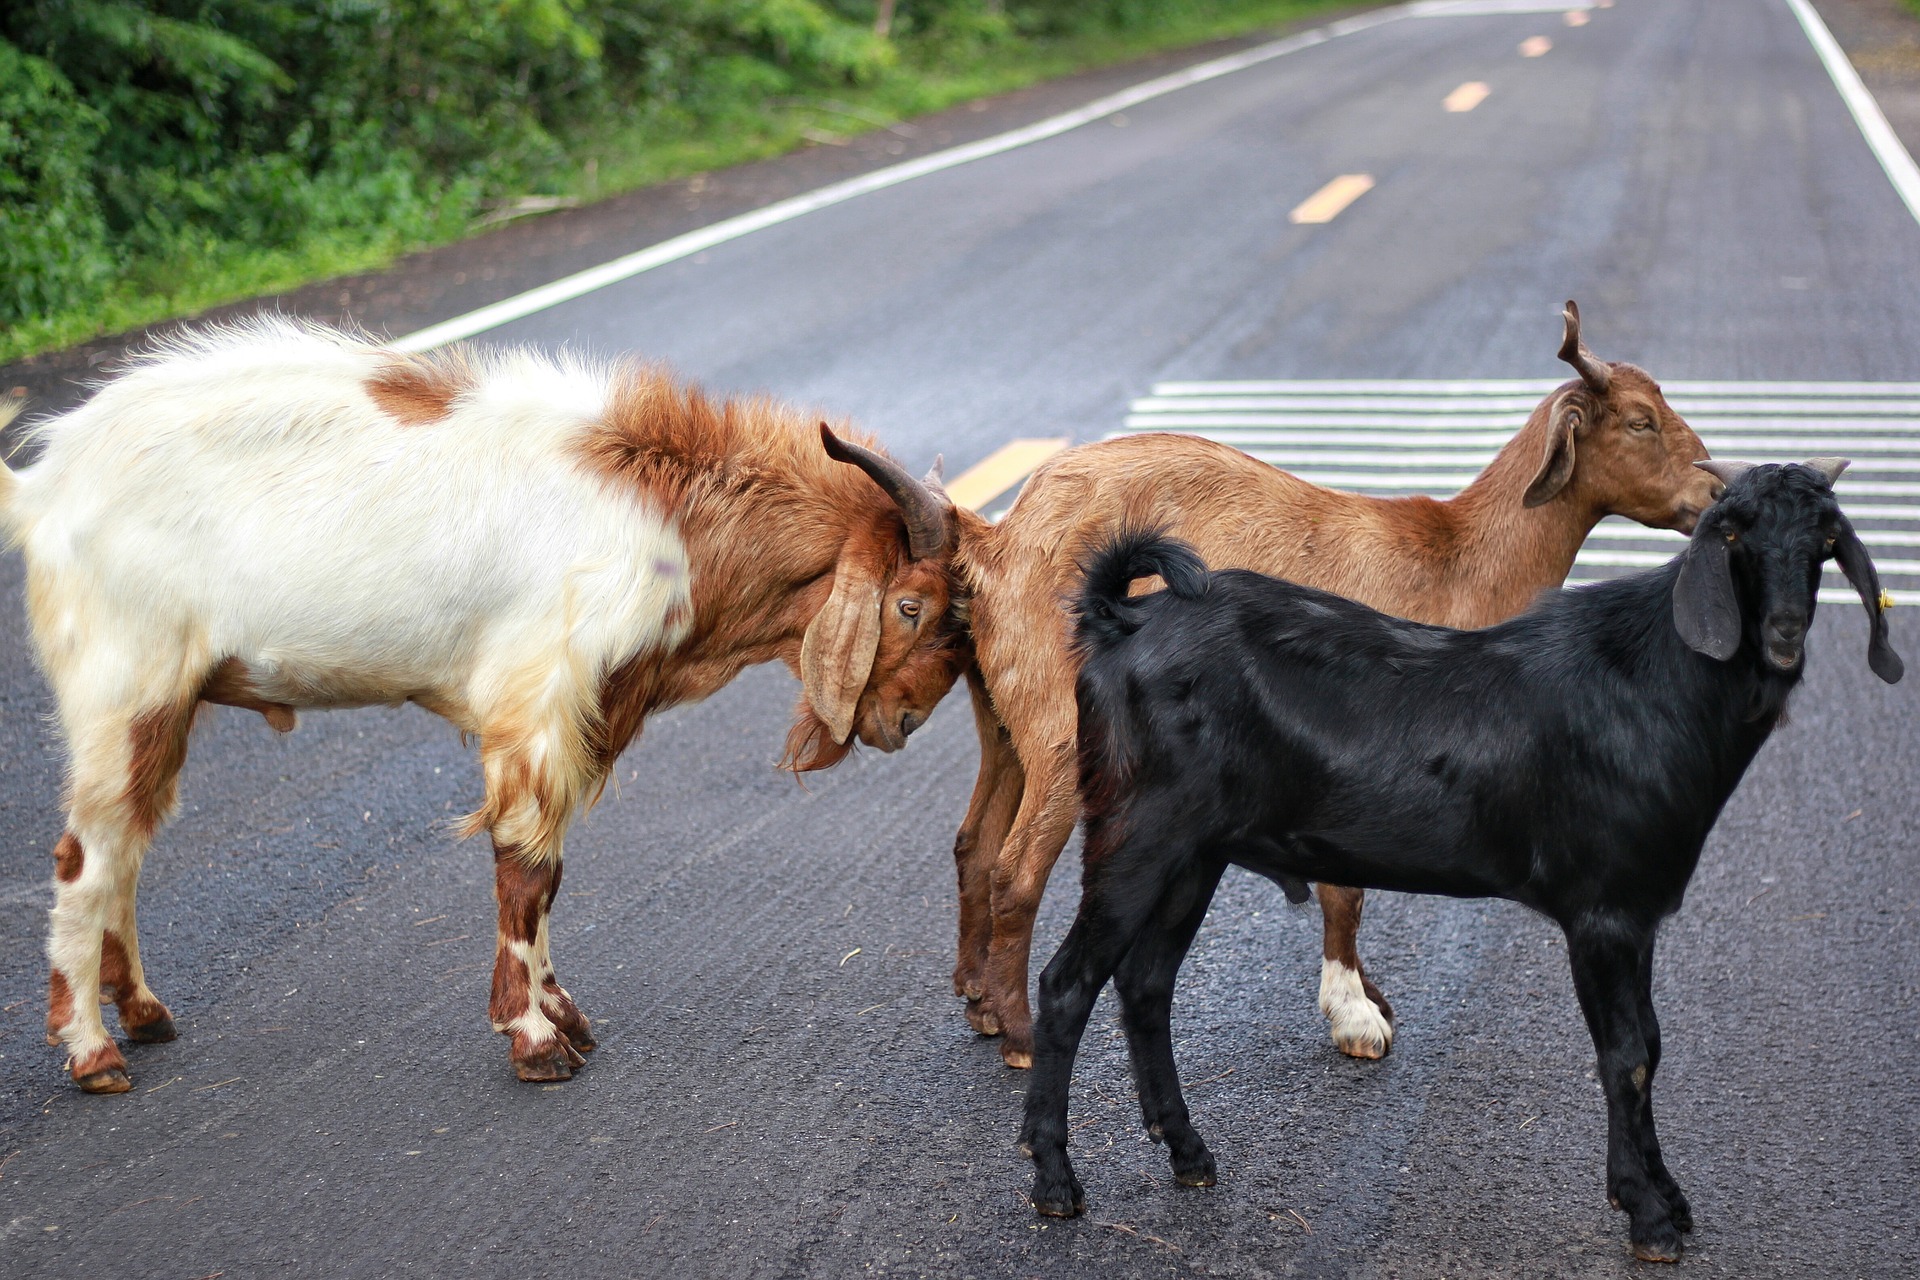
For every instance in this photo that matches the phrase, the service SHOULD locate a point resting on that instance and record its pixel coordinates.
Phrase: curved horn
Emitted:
(1830, 467)
(928, 516)
(1592, 371)
(1725, 470)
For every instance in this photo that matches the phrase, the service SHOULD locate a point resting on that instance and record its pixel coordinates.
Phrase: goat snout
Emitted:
(1785, 636)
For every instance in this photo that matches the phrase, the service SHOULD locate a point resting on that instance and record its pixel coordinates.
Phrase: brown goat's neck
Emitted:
(1510, 552)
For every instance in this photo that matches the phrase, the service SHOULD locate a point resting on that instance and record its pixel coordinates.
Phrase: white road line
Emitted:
(1881, 139)
(1535, 387)
(633, 264)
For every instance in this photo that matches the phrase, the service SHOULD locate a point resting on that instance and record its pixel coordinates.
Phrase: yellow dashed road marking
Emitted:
(1327, 203)
(1466, 97)
(1000, 470)
(1534, 46)
(1576, 17)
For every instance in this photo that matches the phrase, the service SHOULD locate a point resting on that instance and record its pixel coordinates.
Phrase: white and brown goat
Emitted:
(540, 550)
(1606, 443)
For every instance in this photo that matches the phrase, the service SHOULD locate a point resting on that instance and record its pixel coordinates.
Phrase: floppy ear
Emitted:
(1564, 421)
(836, 655)
(1858, 566)
(1705, 612)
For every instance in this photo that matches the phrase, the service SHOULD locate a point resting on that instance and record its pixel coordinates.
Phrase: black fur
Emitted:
(1572, 759)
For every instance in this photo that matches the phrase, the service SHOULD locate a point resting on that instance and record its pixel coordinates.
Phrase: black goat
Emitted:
(1572, 759)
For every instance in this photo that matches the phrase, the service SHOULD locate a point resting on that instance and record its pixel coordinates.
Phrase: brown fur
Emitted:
(417, 390)
(767, 519)
(231, 685)
(1467, 562)
(69, 859)
(159, 750)
(59, 1005)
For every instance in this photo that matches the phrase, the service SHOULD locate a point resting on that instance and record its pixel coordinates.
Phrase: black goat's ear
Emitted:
(1705, 611)
(1858, 566)
(1565, 420)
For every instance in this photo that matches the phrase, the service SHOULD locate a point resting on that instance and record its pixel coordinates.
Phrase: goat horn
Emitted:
(936, 473)
(1725, 470)
(1830, 467)
(1592, 371)
(928, 515)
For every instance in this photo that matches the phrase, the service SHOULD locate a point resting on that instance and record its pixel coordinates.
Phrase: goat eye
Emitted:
(909, 608)
(1732, 536)
(1642, 425)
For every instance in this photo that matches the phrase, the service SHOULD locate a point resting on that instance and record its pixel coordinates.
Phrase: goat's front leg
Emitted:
(531, 794)
(1608, 958)
(1359, 1017)
(1662, 1180)
(976, 849)
(1145, 982)
(1049, 804)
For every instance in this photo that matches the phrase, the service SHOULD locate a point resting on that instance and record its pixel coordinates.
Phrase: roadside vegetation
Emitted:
(161, 156)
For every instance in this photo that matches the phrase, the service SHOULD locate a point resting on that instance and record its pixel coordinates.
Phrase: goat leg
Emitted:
(1112, 916)
(1358, 1016)
(1607, 960)
(1145, 981)
(1049, 805)
(976, 849)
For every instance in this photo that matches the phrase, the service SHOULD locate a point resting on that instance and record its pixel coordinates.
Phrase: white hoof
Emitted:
(1359, 1029)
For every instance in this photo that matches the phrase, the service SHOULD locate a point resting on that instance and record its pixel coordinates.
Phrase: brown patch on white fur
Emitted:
(159, 739)
(69, 859)
(417, 390)
(231, 685)
(101, 1070)
(142, 1017)
(59, 1005)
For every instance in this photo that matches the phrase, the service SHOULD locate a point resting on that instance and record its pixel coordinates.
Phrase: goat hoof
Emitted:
(1061, 1201)
(1018, 1059)
(157, 1031)
(1661, 1246)
(1196, 1178)
(981, 1017)
(106, 1080)
(549, 1062)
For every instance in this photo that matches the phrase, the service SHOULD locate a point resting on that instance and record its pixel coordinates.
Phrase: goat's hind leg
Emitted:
(1117, 905)
(1145, 981)
(123, 781)
(1358, 1016)
(1608, 958)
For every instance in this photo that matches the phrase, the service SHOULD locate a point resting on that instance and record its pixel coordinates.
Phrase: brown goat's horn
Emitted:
(1830, 467)
(928, 516)
(1592, 370)
(1725, 470)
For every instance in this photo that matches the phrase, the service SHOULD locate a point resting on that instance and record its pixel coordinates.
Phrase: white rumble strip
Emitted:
(1388, 437)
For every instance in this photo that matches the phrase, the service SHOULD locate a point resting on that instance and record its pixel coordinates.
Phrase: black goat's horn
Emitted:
(1725, 470)
(928, 515)
(1829, 467)
(1592, 370)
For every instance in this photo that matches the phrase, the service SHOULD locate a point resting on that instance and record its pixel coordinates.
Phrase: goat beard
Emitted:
(810, 744)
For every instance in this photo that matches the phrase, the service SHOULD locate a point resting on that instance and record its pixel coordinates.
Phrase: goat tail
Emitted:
(1107, 615)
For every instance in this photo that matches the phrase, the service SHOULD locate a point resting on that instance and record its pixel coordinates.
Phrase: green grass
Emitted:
(659, 146)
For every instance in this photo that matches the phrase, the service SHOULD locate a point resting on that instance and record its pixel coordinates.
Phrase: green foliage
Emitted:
(162, 155)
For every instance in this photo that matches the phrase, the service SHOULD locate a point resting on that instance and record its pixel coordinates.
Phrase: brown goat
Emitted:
(1604, 444)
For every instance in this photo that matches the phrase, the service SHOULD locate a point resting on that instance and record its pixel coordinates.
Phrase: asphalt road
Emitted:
(785, 1085)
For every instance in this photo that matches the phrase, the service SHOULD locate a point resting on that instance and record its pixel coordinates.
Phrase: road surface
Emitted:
(785, 1085)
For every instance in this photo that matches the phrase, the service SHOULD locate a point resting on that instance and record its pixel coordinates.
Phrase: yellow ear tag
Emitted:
(1886, 599)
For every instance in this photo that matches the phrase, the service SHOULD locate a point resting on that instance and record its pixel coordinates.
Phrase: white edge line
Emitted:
(1885, 144)
(682, 246)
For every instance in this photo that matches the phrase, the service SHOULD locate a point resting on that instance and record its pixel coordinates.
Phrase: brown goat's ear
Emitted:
(836, 656)
(1564, 422)
(1858, 566)
(1705, 610)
